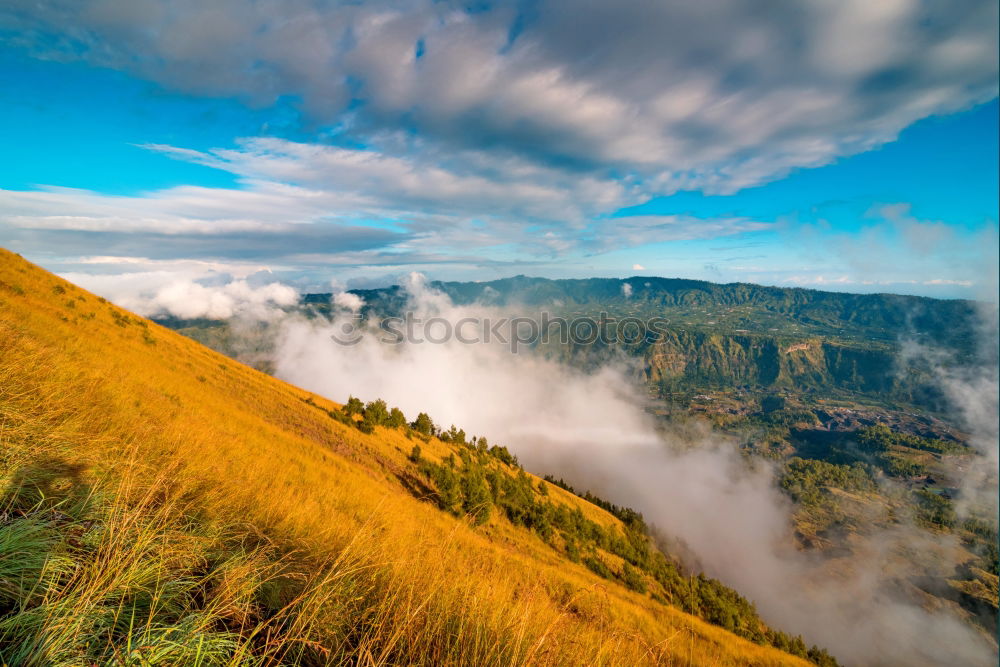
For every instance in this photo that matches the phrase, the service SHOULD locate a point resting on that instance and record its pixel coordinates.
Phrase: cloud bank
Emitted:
(693, 487)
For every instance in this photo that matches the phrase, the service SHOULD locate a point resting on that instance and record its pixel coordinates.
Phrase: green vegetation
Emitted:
(90, 578)
(899, 466)
(423, 424)
(480, 479)
(934, 509)
(881, 438)
(805, 479)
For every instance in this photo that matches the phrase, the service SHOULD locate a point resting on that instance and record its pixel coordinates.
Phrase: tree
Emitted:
(449, 490)
(503, 455)
(354, 406)
(476, 497)
(396, 419)
(633, 579)
(876, 438)
(423, 424)
(415, 454)
(377, 413)
(454, 434)
(934, 509)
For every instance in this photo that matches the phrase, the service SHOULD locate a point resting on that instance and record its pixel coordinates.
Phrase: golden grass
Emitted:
(262, 530)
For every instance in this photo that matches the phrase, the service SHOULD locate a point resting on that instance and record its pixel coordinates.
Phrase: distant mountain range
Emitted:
(741, 335)
(881, 316)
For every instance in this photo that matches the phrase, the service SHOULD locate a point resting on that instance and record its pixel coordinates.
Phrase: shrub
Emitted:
(423, 424)
(633, 579)
(396, 418)
(597, 566)
(376, 413)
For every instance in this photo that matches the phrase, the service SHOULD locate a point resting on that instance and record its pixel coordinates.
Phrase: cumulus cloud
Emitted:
(188, 300)
(347, 301)
(191, 290)
(713, 95)
(638, 267)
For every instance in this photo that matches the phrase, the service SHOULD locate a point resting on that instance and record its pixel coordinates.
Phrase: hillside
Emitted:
(163, 504)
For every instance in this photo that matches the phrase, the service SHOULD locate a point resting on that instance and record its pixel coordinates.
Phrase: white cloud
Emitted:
(707, 95)
(375, 180)
(117, 264)
(895, 248)
(300, 202)
(638, 267)
(188, 290)
(636, 230)
(189, 300)
(945, 281)
(348, 301)
(818, 280)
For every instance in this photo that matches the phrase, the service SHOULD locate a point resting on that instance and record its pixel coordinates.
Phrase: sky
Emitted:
(843, 145)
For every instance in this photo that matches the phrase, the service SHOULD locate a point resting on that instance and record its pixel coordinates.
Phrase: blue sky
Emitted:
(844, 147)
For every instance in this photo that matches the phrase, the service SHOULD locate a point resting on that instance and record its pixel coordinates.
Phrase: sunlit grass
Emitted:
(163, 505)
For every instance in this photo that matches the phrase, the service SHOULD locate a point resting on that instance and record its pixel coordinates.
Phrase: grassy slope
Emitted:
(162, 500)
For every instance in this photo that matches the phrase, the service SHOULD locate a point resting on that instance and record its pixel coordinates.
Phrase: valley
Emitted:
(863, 438)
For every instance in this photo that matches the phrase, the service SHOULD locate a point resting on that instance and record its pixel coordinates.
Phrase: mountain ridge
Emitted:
(769, 338)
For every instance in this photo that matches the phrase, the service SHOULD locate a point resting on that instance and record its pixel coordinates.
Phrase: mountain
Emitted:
(870, 315)
(163, 504)
(738, 336)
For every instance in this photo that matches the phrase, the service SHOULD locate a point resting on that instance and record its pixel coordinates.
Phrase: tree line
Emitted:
(478, 481)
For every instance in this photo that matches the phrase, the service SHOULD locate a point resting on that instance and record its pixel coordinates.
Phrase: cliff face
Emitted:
(691, 360)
